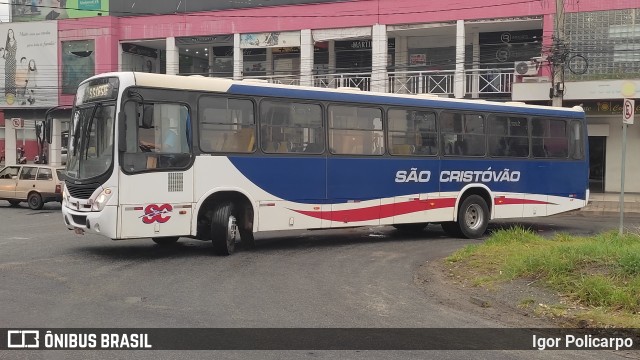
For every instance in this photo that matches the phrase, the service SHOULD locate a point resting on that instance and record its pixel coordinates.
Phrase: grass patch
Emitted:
(599, 272)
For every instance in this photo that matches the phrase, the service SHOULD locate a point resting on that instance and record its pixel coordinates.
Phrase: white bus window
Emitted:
(549, 138)
(226, 125)
(157, 136)
(355, 130)
(508, 136)
(291, 127)
(412, 132)
(462, 134)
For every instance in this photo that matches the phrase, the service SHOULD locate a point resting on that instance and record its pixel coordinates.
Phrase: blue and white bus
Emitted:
(162, 157)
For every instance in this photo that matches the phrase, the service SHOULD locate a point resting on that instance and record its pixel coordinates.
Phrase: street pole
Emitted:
(558, 68)
(624, 157)
(628, 113)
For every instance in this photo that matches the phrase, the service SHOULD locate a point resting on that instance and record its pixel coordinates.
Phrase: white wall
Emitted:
(614, 155)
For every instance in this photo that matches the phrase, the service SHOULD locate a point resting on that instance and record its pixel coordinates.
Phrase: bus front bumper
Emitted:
(94, 222)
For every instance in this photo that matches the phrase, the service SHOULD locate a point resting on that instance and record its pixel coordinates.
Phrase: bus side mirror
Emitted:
(122, 132)
(46, 130)
(147, 116)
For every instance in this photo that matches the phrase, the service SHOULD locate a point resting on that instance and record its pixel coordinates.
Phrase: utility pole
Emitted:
(558, 57)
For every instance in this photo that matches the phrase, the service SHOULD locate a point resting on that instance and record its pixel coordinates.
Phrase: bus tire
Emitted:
(224, 229)
(246, 238)
(35, 201)
(473, 217)
(165, 241)
(410, 228)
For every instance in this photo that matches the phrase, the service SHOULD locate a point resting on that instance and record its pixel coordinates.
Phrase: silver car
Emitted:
(35, 184)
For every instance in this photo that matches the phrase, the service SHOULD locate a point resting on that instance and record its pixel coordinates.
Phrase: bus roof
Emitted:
(341, 95)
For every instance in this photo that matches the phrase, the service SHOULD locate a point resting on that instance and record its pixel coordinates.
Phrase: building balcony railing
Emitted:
(478, 82)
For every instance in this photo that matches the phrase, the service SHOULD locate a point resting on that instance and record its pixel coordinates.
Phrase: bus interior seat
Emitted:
(403, 149)
(314, 148)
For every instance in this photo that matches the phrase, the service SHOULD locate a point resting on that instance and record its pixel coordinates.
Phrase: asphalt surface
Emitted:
(52, 278)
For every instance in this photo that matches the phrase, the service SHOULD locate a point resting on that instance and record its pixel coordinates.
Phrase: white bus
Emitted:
(163, 157)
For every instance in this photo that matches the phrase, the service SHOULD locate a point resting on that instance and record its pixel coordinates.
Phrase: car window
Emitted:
(9, 172)
(59, 174)
(28, 173)
(44, 174)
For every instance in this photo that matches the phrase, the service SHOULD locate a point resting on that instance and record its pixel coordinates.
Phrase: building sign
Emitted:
(205, 40)
(615, 107)
(270, 40)
(38, 10)
(28, 56)
(364, 44)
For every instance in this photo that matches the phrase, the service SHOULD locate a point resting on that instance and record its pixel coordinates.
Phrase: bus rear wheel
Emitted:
(224, 229)
(473, 217)
(165, 241)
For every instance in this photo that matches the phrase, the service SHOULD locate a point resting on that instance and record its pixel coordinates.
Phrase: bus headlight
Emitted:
(65, 195)
(102, 199)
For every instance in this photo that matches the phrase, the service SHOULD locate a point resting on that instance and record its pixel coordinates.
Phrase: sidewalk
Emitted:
(601, 203)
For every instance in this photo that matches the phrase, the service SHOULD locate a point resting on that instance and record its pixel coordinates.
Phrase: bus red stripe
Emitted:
(407, 207)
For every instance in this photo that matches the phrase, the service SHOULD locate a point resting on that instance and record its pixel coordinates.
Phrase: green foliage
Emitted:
(600, 271)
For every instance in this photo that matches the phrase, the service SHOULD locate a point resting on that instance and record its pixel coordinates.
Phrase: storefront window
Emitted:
(78, 63)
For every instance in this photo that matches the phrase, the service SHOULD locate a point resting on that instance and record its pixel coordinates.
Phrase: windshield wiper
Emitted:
(86, 130)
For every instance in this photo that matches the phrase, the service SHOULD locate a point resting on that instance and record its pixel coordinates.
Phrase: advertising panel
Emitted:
(29, 65)
(38, 10)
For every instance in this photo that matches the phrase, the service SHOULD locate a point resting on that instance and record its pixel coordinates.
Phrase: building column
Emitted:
(212, 61)
(379, 54)
(269, 66)
(399, 81)
(476, 62)
(173, 57)
(458, 77)
(332, 57)
(55, 148)
(306, 58)
(237, 58)
(9, 143)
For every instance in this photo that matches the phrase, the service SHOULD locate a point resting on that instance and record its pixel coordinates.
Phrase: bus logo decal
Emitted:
(156, 213)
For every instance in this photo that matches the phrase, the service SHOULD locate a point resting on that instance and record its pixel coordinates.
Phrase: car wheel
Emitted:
(224, 229)
(167, 240)
(14, 202)
(410, 228)
(35, 201)
(473, 217)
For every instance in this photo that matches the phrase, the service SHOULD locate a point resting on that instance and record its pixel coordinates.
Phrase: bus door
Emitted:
(156, 185)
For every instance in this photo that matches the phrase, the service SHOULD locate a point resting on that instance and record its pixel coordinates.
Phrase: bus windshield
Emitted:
(90, 150)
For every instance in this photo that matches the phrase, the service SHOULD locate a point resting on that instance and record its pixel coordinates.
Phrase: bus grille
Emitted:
(176, 182)
(81, 192)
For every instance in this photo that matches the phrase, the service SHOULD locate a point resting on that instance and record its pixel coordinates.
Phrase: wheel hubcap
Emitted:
(232, 229)
(473, 217)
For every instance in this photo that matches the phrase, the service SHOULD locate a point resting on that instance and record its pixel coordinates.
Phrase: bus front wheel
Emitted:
(224, 229)
(473, 217)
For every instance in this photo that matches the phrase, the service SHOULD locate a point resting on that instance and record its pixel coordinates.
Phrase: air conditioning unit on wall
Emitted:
(526, 68)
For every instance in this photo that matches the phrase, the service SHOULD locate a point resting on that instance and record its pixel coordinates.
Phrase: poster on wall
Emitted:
(271, 39)
(418, 59)
(38, 10)
(28, 65)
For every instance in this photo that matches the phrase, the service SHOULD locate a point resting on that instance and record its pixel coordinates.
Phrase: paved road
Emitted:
(348, 278)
